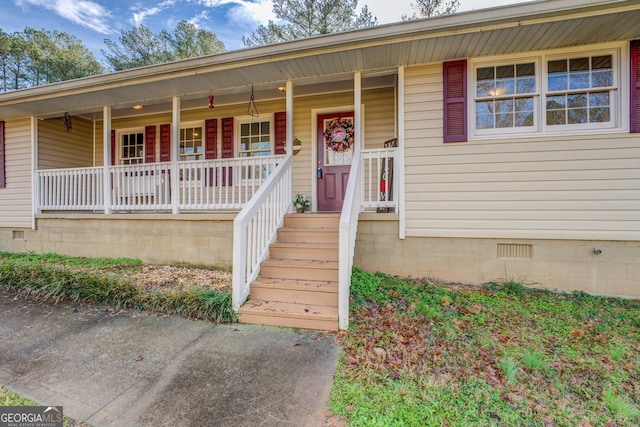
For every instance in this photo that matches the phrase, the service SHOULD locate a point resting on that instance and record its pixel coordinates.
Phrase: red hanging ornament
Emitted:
(211, 102)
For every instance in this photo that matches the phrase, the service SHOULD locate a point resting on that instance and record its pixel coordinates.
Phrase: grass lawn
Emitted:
(423, 354)
(8, 398)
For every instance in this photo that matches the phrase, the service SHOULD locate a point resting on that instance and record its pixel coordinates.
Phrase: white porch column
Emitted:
(289, 131)
(106, 145)
(175, 154)
(400, 152)
(35, 182)
(357, 111)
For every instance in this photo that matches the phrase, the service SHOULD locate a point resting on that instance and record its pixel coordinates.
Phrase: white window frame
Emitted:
(129, 131)
(535, 95)
(248, 119)
(185, 125)
(620, 62)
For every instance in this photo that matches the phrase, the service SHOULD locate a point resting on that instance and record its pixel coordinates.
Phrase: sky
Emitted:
(93, 21)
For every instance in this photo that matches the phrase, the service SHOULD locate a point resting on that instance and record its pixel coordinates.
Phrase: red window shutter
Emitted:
(211, 139)
(455, 101)
(3, 178)
(113, 146)
(635, 86)
(150, 144)
(280, 132)
(227, 149)
(165, 143)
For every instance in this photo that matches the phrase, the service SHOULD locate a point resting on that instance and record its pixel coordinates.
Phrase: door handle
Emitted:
(319, 174)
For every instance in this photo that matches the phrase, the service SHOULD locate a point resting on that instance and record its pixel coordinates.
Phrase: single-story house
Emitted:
(488, 144)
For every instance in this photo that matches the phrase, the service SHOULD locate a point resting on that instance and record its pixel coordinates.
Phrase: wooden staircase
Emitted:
(298, 284)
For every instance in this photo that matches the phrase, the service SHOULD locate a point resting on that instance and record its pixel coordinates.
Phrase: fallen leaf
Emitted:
(139, 358)
(379, 353)
(577, 333)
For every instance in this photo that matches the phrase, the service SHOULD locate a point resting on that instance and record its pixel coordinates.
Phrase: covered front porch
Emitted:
(211, 155)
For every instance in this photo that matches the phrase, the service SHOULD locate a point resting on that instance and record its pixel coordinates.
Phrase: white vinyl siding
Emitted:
(552, 187)
(15, 199)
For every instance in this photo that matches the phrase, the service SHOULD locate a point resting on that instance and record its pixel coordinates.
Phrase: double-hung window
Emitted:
(255, 140)
(571, 92)
(191, 143)
(505, 97)
(132, 147)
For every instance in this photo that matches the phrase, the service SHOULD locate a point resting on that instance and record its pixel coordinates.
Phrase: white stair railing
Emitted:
(255, 228)
(351, 209)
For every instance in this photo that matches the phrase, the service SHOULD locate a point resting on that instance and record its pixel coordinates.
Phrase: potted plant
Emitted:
(296, 146)
(300, 202)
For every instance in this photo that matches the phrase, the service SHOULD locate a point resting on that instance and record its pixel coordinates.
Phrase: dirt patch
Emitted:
(164, 278)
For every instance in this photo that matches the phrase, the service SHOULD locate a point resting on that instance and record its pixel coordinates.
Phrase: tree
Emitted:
(429, 8)
(35, 57)
(140, 46)
(307, 18)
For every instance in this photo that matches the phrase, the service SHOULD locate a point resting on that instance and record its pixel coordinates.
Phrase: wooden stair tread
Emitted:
(300, 263)
(305, 245)
(293, 284)
(290, 310)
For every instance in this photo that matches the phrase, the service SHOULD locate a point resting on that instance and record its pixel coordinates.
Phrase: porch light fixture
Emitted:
(282, 88)
(138, 107)
(252, 109)
(67, 121)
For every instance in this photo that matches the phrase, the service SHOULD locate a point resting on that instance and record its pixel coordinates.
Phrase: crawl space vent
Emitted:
(515, 250)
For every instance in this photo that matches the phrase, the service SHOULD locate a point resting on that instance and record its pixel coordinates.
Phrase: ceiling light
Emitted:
(282, 88)
(138, 107)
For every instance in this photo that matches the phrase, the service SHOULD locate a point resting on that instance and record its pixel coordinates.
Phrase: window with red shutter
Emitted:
(3, 178)
(455, 101)
(635, 86)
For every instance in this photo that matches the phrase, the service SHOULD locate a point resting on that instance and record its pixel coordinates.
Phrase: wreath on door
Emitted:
(338, 135)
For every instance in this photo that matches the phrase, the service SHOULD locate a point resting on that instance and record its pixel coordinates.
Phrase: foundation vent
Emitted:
(515, 250)
(18, 235)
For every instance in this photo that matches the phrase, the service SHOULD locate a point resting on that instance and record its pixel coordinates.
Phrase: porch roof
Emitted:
(315, 62)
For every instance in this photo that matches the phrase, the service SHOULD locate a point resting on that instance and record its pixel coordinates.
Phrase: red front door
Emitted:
(335, 151)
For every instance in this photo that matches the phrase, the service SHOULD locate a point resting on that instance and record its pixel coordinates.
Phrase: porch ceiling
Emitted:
(315, 63)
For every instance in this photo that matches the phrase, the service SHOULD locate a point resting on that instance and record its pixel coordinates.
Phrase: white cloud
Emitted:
(251, 14)
(81, 12)
(140, 14)
(202, 16)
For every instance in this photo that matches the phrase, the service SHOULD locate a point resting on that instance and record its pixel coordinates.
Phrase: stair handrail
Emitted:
(351, 208)
(256, 226)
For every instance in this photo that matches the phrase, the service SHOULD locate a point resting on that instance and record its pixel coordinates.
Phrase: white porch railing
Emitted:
(144, 186)
(255, 228)
(380, 187)
(351, 209)
(67, 189)
(223, 183)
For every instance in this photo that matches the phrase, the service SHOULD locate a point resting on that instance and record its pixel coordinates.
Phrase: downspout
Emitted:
(401, 185)
(106, 152)
(35, 182)
(175, 153)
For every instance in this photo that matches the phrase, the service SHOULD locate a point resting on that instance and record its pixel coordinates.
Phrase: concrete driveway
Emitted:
(132, 369)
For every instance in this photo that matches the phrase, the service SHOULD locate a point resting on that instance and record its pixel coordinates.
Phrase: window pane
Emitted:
(255, 128)
(484, 121)
(556, 102)
(579, 80)
(602, 79)
(505, 71)
(524, 104)
(486, 82)
(189, 133)
(524, 119)
(579, 100)
(577, 116)
(557, 78)
(599, 115)
(505, 87)
(598, 99)
(484, 107)
(264, 128)
(579, 64)
(556, 117)
(244, 129)
(504, 106)
(504, 120)
(526, 85)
